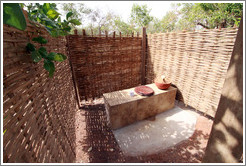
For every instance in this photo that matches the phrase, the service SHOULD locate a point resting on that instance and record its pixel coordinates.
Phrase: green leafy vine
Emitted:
(46, 15)
(41, 53)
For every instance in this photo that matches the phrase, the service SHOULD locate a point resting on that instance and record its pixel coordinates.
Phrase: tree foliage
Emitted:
(100, 21)
(79, 10)
(48, 16)
(182, 16)
(141, 15)
(209, 15)
(121, 26)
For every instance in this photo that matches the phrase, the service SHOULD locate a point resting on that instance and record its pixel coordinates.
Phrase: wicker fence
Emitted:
(38, 111)
(196, 62)
(104, 64)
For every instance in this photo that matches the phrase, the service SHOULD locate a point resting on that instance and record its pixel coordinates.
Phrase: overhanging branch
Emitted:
(204, 26)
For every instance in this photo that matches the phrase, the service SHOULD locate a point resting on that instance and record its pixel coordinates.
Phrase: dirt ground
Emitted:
(95, 142)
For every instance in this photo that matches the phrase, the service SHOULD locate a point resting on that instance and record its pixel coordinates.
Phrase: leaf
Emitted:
(51, 24)
(68, 28)
(51, 56)
(43, 52)
(30, 47)
(59, 19)
(75, 22)
(54, 33)
(52, 14)
(13, 16)
(50, 67)
(4, 131)
(69, 14)
(40, 40)
(56, 57)
(48, 29)
(36, 57)
(60, 57)
(46, 7)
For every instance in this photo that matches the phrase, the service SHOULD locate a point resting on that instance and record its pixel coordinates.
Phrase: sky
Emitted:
(123, 8)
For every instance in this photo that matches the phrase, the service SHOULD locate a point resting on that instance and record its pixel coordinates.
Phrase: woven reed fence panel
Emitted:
(38, 111)
(196, 62)
(105, 64)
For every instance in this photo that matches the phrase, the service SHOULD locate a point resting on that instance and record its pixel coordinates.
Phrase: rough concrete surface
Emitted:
(156, 134)
(123, 110)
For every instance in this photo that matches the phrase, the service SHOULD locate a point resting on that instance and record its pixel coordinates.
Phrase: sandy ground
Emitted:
(95, 142)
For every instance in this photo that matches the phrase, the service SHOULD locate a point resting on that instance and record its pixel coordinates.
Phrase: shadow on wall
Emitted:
(179, 95)
(150, 74)
(228, 124)
(38, 111)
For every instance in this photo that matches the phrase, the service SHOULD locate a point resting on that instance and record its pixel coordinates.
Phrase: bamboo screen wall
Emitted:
(104, 64)
(196, 62)
(38, 111)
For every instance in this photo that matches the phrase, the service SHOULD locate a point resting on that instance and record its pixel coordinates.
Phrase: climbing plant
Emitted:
(46, 15)
(41, 53)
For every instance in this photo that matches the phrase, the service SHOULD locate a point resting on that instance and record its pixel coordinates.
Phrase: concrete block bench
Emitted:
(123, 109)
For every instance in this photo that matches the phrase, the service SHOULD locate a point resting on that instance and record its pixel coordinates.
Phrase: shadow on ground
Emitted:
(100, 145)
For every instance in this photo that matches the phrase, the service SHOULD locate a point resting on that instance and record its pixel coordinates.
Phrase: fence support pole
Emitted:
(83, 32)
(143, 58)
(73, 73)
(106, 34)
(75, 31)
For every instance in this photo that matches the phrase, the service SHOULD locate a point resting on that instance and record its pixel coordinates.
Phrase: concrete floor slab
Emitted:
(153, 135)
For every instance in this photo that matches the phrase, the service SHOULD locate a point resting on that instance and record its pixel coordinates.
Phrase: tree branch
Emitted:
(204, 26)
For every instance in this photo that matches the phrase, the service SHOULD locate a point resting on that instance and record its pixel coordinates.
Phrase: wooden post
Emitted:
(137, 34)
(120, 35)
(83, 32)
(75, 31)
(144, 45)
(106, 34)
(73, 74)
(114, 34)
(132, 34)
(91, 32)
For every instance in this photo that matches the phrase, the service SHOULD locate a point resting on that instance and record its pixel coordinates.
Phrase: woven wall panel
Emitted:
(105, 64)
(196, 62)
(38, 111)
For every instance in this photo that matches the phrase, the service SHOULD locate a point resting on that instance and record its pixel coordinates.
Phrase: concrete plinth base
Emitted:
(151, 136)
(123, 109)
